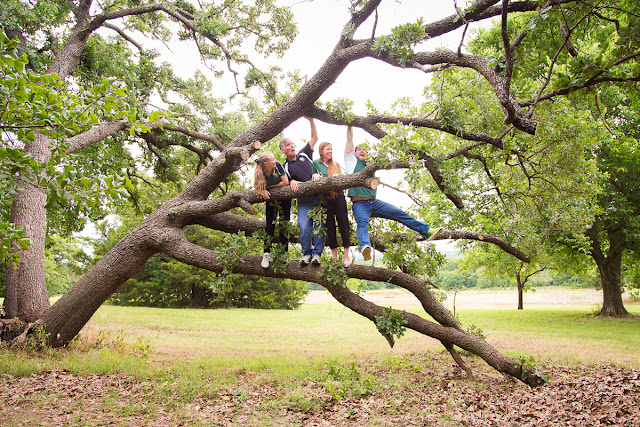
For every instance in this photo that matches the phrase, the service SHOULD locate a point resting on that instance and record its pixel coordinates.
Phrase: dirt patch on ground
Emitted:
(415, 390)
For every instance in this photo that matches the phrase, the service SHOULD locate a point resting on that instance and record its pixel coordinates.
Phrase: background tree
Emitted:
(497, 153)
(535, 209)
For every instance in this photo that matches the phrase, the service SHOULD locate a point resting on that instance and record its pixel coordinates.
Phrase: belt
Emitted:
(361, 199)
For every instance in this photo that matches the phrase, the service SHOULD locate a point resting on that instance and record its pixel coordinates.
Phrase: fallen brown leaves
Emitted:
(414, 390)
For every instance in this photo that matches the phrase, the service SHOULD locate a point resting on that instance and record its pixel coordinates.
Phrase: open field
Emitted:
(545, 297)
(324, 365)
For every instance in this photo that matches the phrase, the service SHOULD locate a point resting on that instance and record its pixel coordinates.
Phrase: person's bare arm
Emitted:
(314, 132)
(348, 147)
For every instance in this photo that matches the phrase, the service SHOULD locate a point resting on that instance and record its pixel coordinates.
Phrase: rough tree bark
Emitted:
(610, 269)
(25, 295)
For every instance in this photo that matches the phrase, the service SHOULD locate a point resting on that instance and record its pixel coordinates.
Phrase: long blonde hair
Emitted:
(333, 168)
(259, 176)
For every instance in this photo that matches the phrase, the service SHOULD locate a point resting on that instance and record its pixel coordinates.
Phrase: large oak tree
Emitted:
(221, 31)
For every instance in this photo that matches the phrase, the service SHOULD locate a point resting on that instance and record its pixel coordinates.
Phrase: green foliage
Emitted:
(318, 215)
(399, 44)
(332, 271)
(42, 104)
(406, 254)
(474, 329)
(343, 382)
(391, 322)
(279, 257)
(258, 292)
(539, 370)
(11, 235)
(341, 108)
(232, 252)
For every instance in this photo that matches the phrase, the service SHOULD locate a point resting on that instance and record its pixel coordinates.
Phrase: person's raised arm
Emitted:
(348, 147)
(314, 132)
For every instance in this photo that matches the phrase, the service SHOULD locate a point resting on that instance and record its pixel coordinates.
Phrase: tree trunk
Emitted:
(64, 320)
(26, 292)
(610, 269)
(611, 279)
(520, 291)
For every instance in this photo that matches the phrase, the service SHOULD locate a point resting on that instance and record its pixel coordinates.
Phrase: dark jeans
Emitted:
(275, 209)
(337, 213)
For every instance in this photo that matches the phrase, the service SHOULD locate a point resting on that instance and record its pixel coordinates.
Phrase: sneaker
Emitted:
(265, 260)
(431, 235)
(315, 260)
(366, 253)
(305, 260)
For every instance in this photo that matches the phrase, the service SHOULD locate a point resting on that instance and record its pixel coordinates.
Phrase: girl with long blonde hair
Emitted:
(335, 205)
(270, 174)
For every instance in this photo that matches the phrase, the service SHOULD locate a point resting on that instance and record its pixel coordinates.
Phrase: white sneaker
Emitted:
(366, 253)
(315, 260)
(305, 260)
(265, 260)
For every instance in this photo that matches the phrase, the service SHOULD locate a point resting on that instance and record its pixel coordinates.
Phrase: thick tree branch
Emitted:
(448, 331)
(95, 134)
(472, 235)
(188, 212)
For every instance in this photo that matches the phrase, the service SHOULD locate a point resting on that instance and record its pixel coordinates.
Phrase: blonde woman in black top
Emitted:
(270, 174)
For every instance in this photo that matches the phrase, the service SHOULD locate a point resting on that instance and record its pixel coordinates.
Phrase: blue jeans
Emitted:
(364, 210)
(310, 239)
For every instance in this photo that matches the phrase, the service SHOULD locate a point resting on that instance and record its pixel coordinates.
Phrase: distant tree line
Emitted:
(451, 277)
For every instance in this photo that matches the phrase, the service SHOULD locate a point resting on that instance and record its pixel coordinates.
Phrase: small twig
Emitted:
(412, 197)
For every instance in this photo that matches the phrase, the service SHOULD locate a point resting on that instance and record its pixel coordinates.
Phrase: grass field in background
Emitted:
(144, 341)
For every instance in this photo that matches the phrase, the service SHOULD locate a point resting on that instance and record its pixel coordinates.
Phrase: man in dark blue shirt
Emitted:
(298, 166)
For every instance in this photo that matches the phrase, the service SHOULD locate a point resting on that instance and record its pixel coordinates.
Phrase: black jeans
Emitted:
(337, 213)
(275, 209)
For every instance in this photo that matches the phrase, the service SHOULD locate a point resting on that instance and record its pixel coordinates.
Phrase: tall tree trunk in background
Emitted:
(520, 291)
(610, 269)
(26, 291)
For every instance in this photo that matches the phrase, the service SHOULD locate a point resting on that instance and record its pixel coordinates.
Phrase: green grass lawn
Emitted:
(141, 341)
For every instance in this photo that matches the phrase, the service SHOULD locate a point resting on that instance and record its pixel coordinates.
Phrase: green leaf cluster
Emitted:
(332, 271)
(400, 43)
(341, 108)
(391, 322)
(406, 254)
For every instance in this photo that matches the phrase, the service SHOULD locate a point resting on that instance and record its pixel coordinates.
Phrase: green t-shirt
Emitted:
(361, 191)
(319, 167)
(275, 177)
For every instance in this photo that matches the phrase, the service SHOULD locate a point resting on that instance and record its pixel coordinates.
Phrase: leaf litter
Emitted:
(411, 390)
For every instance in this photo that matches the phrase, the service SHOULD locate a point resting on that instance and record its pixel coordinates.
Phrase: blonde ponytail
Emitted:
(259, 176)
